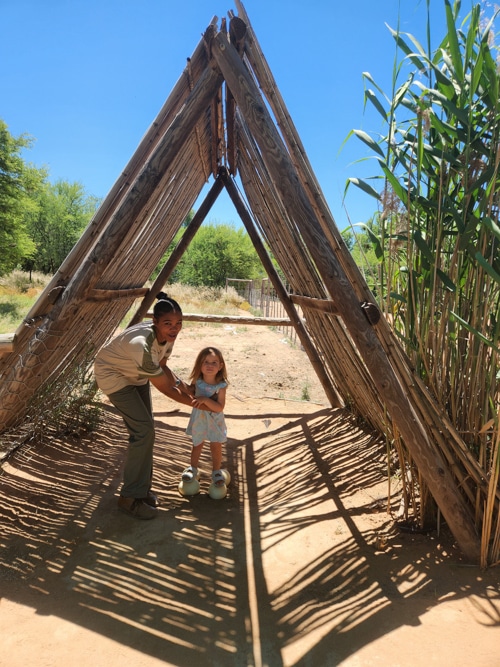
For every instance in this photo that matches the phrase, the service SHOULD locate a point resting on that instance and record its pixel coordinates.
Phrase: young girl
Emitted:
(208, 423)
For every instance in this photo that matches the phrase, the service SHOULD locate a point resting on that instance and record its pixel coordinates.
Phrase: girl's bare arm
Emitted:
(214, 405)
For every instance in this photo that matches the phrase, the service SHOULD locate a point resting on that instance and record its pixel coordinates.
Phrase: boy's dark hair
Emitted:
(165, 305)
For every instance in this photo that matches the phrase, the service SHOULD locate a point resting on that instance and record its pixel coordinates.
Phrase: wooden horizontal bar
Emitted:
(7, 342)
(325, 305)
(235, 319)
(55, 293)
(110, 294)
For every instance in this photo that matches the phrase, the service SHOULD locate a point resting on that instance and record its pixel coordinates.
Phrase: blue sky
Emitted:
(87, 78)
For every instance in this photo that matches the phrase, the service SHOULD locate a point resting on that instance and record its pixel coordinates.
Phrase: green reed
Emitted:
(437, 232)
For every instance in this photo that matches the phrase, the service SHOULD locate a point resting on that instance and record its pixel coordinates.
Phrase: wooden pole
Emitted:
(112, 294)
(289, 189)
(296, 322)
(235, 319)
(178, 252)
(7, 342)
(472, 475)
(325, 305)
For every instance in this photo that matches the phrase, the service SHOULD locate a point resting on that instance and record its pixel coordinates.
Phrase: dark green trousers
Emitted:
(135, 407)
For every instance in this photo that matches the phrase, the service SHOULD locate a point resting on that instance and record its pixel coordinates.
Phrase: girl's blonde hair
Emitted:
(196, 372)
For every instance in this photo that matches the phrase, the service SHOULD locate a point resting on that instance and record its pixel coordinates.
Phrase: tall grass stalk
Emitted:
(438, 230)
(490, 537)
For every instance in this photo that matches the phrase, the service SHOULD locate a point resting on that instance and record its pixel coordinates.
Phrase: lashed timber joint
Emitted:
(55, 293)
(371, 312)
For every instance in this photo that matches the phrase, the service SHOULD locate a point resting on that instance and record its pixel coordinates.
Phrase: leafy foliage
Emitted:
(63, 212)
(437, 235)
(18, 181)
(39, 222)
(365, 250)
(215, 253)
(438, 231)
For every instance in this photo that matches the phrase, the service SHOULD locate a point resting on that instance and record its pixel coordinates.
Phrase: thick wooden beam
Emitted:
(291, 193)
(297, 323)
(217, 125)
(231, 143)
(324, 305)
(238, 31)
(7, 342)
(444, 434)
(112, 294)
(236, 320)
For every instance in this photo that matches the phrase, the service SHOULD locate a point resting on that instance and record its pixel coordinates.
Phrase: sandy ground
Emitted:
(300, 565)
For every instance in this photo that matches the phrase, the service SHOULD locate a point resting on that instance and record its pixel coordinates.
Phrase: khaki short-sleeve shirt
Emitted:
(131, 358)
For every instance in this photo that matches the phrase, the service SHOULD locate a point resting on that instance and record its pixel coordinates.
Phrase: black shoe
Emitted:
(137, 508)
(151, 499)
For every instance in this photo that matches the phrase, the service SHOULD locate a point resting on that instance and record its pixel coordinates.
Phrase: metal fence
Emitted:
(262, 297)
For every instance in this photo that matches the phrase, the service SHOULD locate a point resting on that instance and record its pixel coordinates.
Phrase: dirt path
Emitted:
(299, 566)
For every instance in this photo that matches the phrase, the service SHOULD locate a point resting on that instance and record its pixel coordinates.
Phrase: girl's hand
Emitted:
(206, 403)
(199, 401)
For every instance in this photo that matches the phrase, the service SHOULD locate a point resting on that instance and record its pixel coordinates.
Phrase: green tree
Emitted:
(216, 253)
(19, 185)
(64, 210)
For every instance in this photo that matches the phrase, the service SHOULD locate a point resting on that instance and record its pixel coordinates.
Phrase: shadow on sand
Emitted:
(278, 573)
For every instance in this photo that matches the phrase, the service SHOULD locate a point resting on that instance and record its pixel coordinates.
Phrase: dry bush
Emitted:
(206, 300)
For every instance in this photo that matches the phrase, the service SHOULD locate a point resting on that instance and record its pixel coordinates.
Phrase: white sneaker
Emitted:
(218, 478)
(190, 474)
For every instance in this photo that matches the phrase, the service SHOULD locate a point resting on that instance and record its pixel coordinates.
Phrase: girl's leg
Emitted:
(217, 475)
(195, 455)
(216, 451)
(192, 471)
(134, 406)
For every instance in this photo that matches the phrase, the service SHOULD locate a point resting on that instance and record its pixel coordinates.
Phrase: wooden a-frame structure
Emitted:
(225, 118)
